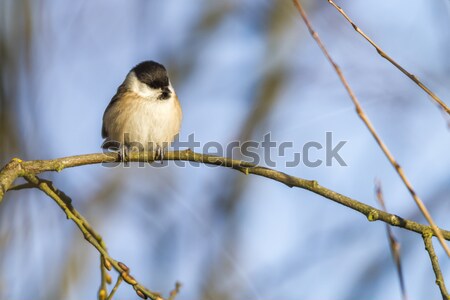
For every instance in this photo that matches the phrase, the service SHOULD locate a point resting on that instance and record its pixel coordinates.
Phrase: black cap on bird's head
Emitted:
(152, 74)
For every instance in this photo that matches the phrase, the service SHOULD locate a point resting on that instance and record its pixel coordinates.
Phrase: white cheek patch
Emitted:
(140, 88)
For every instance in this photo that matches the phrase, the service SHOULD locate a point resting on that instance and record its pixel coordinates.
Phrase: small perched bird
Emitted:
(144, 114)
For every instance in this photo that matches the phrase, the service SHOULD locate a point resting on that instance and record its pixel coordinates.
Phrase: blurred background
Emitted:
(241, 69)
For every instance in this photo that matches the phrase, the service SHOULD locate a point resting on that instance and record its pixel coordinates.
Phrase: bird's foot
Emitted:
(124, 155)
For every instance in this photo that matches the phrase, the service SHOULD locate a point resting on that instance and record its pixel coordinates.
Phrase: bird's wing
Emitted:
(114, 99)
(104, 132)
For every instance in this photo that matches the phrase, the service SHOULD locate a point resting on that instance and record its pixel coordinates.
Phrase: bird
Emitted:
(144, 114)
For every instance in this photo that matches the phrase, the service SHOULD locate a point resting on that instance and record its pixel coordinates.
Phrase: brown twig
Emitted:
(90, 235)
(370, 127)
(104, 276)
(116, 286)
(383, 54)
(174, 293)
(29, 169)
(427, 238)
(393, 243)
(22, 186)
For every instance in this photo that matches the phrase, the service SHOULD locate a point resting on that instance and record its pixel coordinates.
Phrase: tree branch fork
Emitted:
(29, 170)
(17, 168)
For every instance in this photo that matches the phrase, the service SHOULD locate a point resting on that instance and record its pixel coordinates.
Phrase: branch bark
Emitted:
(427, 239)
(18, 168)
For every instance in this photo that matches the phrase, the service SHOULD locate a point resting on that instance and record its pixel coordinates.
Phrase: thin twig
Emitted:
(174, 293)
(116, 286)
(102, 291)
(369, 126)
(22, 186)
(383, 54)
(427, 238)
(393, 243)
(90, 235)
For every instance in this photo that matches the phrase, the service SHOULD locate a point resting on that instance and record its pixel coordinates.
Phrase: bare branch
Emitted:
(105, 279)
(393, 243)
(116, 286)
(34, 167)
(427, 238)
(22, 186)
(29, 169)
(91, 236)
(370, 127)
(383, 54)
(175, 291)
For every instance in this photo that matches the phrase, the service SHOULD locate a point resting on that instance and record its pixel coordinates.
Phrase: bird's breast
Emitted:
(142, 120)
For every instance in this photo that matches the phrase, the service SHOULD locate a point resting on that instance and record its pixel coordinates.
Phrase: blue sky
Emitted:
(167, 223)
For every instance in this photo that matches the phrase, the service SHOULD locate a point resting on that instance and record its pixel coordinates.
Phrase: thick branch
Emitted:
(27, 168)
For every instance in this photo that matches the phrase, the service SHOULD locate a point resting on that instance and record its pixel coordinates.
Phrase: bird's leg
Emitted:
(159, 154)
(124, 154)
(120, 153)
(155, 153)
